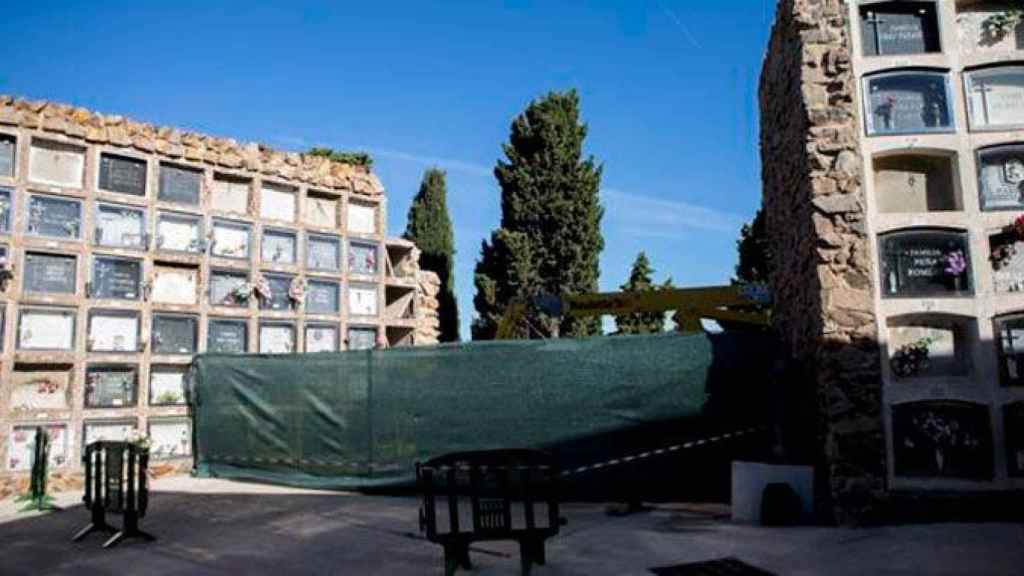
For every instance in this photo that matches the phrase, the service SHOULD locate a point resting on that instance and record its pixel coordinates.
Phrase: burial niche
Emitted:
(21, 446)
(174, 334)
(46, 329)
(120, 226)
(362, 338)
(277, 202)
(37, 387)
(54, 217)
(925, 262)
(1009, 331)
(400, 336)
(180, 184)
(170, 438)
(400, 302)
(114, 331)
(362, 218)
(278, 246)
(230, 239)
(891, 28)
(167, 385)
(231, 194)
(50, 273)
(122, 174)
(227, 336)
(362, 258)
(916, 183)
(111, 430)
(1001, 177)
(907, 102)
(1013, 423)
(942, 439)
(6, 208)
(280, 288)
(975, 21)
(321, 338)
(362, 300)
(111, 386)
(8, 146)
(277, 338)
(179, 232)
(116, 278)
(174, 283)
(995, 97)
(322, 297)
(322, 210)
(931, 346)
(229, 288)
(56, 164)
(323, 252)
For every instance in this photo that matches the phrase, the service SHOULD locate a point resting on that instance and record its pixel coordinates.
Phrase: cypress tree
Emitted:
(549, 240)
(640, 281)
(755, 255)
(430, 227)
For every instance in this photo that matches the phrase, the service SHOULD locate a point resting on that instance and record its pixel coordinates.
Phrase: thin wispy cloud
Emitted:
(679, 24)
(647, 216)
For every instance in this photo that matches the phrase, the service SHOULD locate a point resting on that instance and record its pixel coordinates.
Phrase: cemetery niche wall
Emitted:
(907, 102)
(126, 249)
(893, 28)
(925, 262)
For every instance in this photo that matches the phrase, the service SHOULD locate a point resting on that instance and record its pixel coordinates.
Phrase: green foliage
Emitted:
(640, 281)
(355, 158)
(550, 239)
(755, 255)
(430, 228)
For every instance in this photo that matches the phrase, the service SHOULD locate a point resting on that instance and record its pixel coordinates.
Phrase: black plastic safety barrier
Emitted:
(116, 482)
(496, 482)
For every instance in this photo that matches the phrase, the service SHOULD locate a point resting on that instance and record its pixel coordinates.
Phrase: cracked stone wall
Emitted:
(814, 206)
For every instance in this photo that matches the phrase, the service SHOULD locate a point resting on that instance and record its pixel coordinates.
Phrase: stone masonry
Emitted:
(822, 279)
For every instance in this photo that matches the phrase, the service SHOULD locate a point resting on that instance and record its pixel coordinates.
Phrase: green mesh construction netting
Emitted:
(361, 419)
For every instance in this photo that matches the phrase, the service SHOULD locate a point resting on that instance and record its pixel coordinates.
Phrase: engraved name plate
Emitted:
(110, 386)
(362, 300)
(174, 334)
(7, 152)
(321, 338)
(170, 438)
(56, 164)
(227, 336)
(322, 297)
(231, 195)
(277, 338)
(180, 184)
(278, 247)
(362, 219)
(179, 232)
(223, 287)
(55, 217)
(323, 253)
(122, 174)
(278, 203)
(362, 258)
(361, 338)
(50, 273)
(230, 240)
(167, 385)
(42, 329)
(116, 278)
(175, 285)
(322, 211)
(113, 331)
(120, 226)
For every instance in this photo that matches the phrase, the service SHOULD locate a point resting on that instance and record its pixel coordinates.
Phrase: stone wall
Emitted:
(822, 281)
(428, 320)
(94, 128)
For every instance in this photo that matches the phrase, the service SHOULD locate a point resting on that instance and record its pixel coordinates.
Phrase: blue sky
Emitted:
(668, 88)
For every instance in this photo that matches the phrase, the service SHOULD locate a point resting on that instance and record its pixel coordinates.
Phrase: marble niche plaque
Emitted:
(362, 258)
(50, 273)
(230, 239)
(360, 338)
(42, 387)
(179, 233)
(907, 103)
(362, 218)
(122, 174)
(321, 338)
(1013, 423)
(231, 194)
(21, 446)
(175, 285)
(1009, 332)
(362, 300)
(113, 277)
(120, 226)
(925, 263)
(277, 202)
(227, 336)
(8, 145)
(942, 439)
(174, 334)
(995, 97)
(113, 331)
(899, 28)
(321, 211)
(170, 438)
(46, 329)
(223, 284)
(277, 338)
(323, 252)
(6, 209)
(279, 298)
(56, 164)
(180, 184)
(278, 247)
(54, 217)
(111, 386)
(167, 385)
(1001, 178)
(114, 430)
(322, 297)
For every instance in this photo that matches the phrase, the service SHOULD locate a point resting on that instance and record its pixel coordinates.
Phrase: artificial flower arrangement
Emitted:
(911, 359)
(1006, 250)
(999, 25)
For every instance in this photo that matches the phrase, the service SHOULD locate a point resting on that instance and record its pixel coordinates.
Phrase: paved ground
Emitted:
(217, 527)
